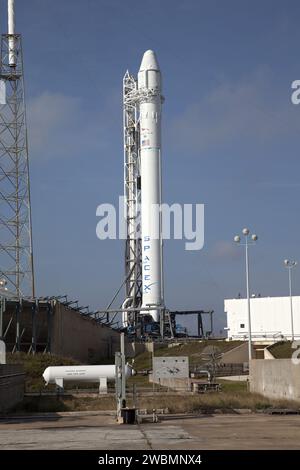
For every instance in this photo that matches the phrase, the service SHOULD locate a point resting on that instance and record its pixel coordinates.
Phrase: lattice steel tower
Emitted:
(16, 255)
(132, 193)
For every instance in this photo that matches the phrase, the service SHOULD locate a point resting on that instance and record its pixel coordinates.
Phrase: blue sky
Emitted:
(230, 138)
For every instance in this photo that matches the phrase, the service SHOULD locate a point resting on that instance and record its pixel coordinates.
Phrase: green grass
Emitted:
(143, 361)
(34, 366)
(233, 387)
(282, 350)
(138, 381)
(192, 349)
(233, 395)
(55, 405)
(195, 349)
(225, 401)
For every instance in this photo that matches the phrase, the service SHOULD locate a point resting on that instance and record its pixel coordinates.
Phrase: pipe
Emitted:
(207, 373)
(125, 313)
(11, 32)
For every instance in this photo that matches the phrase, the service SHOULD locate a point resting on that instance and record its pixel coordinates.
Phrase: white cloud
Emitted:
(49, 116)
(250, 109)
(284, 185)
(226, 250)
(61, 126)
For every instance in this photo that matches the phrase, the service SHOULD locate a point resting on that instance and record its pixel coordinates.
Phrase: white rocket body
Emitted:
(83, 373)
(11, 31)
(149, 86)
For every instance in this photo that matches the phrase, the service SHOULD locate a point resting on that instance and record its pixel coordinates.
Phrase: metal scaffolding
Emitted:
(26, 324)
(132, 194)
(16, 255)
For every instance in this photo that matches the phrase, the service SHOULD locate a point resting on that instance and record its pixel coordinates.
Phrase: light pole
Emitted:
(290, 265)
(237, 239)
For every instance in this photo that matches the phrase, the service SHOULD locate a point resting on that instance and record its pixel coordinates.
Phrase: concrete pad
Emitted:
(253, 431)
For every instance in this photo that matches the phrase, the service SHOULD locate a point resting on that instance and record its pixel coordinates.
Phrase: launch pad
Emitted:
(142, 327)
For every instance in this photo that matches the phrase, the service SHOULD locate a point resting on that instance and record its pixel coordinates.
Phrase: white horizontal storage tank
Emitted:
(270, 318)
(77, 374)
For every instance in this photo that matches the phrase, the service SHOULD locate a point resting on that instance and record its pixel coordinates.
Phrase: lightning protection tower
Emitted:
(16, 256)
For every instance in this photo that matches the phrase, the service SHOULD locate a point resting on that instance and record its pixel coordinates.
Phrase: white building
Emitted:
(270, 318)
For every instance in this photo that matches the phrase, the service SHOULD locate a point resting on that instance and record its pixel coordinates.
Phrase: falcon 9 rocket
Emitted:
(150, 101)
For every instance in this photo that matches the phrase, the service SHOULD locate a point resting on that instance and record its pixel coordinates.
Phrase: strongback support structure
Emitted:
(16, 254)
(132, 201)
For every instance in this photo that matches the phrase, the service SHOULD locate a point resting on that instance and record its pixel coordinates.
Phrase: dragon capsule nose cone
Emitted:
(149, 61)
